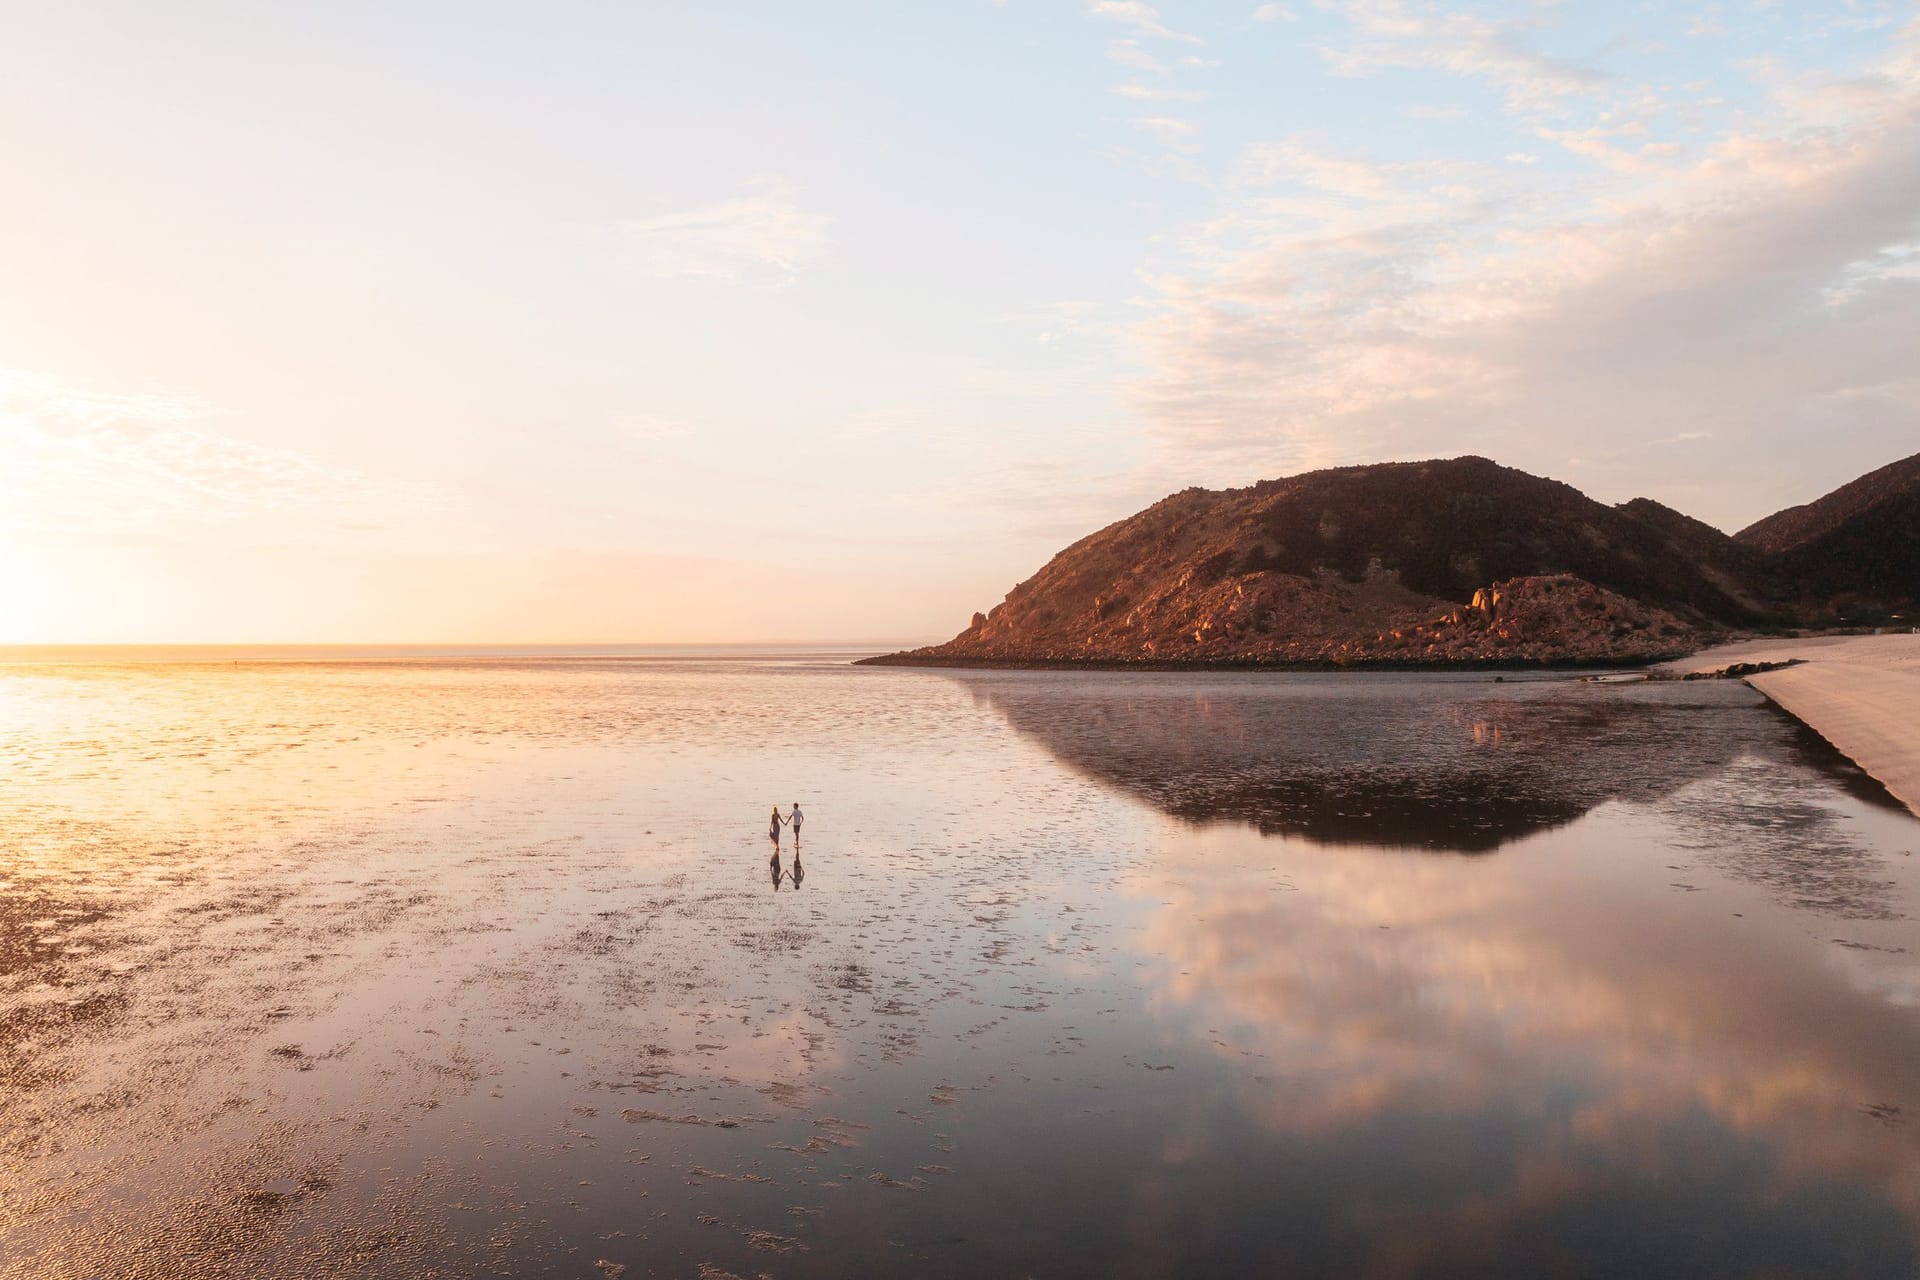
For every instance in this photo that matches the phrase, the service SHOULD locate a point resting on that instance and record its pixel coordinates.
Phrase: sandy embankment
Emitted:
(1861, 693)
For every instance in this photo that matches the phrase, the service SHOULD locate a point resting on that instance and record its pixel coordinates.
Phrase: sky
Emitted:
(664, 322)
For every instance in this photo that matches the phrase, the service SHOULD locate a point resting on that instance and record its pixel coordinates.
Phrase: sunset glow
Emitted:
(883, 638)
(676, 323)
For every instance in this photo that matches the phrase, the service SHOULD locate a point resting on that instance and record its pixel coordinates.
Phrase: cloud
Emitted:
(102, 466)
(1335, 309)
(1303, 160)
(1275, 13)
(1128, 53)
(1143, 18)
(763, 234)
(1603, 142)
(1397, 35)
(1155, 93)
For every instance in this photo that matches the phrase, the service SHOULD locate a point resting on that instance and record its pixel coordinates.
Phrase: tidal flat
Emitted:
(477, 966)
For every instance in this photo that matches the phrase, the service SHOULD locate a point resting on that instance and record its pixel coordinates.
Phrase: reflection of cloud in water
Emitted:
(1564, 1001)
(1777, 826)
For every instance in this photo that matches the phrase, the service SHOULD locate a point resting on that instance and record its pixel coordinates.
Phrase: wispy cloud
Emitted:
(1143, 18)
(1128, 53)
(1170, 131)
(104, 465)
(765, 234)
(1394, 33)
(1305, 161)
(1159, 93)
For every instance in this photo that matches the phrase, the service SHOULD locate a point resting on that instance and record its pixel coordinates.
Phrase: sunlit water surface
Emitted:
(479, 966)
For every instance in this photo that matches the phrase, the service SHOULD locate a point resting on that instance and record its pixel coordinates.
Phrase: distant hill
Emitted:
(1442, 562)
(1855, 551)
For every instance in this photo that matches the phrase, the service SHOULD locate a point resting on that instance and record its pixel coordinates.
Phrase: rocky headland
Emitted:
(1456, 562)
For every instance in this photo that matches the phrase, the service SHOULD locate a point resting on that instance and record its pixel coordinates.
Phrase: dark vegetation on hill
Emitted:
(1450, 528)
(1444, 562)
(1856, 551)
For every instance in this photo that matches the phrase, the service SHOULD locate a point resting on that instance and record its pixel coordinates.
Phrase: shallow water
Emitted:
(478, 966)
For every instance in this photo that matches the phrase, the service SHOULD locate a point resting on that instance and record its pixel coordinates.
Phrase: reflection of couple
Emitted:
(773, 870)
(775, 822)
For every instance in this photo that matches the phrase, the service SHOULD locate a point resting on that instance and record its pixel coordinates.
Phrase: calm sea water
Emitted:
(403, 965)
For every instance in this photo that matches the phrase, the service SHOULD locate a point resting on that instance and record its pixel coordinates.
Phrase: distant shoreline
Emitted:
(1324, 666)
(1737, 643)
(27, 655)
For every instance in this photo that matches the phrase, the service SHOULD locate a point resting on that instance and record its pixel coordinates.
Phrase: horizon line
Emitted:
(452, 644)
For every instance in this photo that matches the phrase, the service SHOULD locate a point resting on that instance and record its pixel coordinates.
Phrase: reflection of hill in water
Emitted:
(1448, 764)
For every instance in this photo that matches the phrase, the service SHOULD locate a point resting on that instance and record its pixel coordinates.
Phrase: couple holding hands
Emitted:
(776, 822)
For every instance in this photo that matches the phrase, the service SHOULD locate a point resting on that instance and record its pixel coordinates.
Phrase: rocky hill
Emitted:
(1855, 552)
(1406, 564)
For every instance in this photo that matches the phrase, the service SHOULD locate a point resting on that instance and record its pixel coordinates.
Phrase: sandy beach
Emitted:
(1861, 693)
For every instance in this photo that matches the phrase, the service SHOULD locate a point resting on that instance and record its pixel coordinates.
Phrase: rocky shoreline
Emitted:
(925, 659)
(1549, 621)
(1651, 666)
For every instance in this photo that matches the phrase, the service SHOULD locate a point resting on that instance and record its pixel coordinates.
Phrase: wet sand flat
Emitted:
(1861, 693)
(479, 967)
